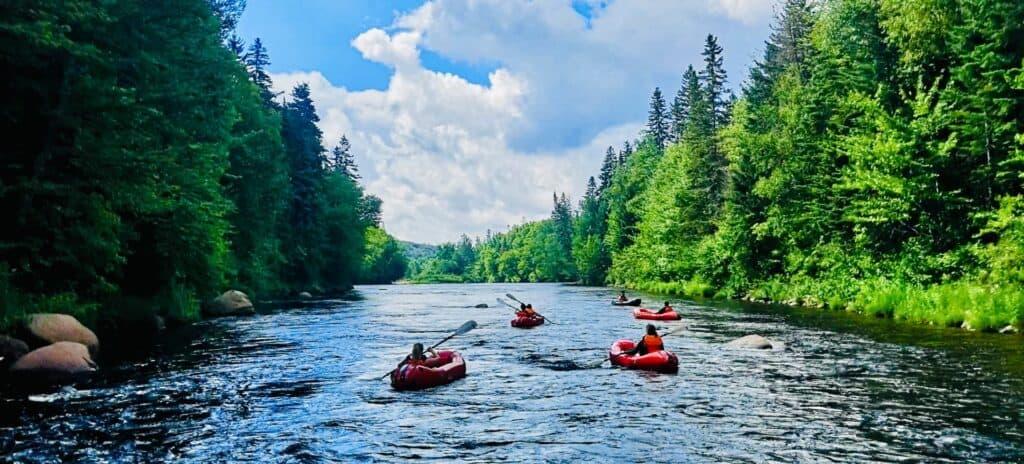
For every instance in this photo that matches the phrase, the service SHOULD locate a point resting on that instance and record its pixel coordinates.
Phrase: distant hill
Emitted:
(415, 251)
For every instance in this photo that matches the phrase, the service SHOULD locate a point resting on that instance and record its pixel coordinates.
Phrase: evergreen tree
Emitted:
(627, 149)
(257, 61)
(611, 160)
(342, 159)
(237, 46)
(227, 12)
(657, 119)
(713, 79)
(681, 104)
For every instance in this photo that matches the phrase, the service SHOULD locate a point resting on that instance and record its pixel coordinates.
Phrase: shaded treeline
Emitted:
(872, 162)
(149, 165)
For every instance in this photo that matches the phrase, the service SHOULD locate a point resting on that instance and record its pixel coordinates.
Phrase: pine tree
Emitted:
(257, 61)
(227, 13)
(608, 169)
(237, 46)
(681, 104)
(627, 149)
(343, 160)
(713, 79)
(787, 46)
(657, 119)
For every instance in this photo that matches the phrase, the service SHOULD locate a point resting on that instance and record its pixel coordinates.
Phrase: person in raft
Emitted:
(622, 297)
(529, 312)
(665, 309)
(649, 344)
(417, 357)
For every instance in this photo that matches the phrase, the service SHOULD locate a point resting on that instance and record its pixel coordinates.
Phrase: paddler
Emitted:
(417, 357)
(529, 312)
(665, 309)
(622, 297)
(648, 344)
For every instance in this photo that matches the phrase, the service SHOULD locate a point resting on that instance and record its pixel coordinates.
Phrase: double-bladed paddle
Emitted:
(520, 302)
(469, 325)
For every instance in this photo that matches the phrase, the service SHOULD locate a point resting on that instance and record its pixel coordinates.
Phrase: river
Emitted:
(299, 383)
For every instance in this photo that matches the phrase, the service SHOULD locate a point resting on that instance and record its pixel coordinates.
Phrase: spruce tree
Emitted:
(713, 79)
(681, 104)
(257, 61)
(343, 160)
(611, 159)
(657, 119)
(627, 149)
(237, 46)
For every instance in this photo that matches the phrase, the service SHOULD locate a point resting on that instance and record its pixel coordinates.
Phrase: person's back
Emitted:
(622, 297)
(650, 342)
(666, 308)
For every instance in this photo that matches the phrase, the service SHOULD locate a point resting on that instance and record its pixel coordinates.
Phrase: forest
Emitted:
(149, 166)
(872, 162)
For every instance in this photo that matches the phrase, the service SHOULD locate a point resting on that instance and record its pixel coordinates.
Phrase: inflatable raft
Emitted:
(644, 313)
(446, 367)
(658, 361)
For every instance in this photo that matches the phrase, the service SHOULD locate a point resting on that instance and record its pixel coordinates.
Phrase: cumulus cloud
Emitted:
(448, 156)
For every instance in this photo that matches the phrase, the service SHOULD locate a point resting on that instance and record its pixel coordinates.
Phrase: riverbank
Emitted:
(958, 304)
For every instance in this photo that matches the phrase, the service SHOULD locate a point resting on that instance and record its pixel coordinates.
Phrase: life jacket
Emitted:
(666, 309)
(530, 312)
(409, 361)
(652, 343)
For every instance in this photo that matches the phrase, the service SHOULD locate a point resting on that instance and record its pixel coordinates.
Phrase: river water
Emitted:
(299, 383)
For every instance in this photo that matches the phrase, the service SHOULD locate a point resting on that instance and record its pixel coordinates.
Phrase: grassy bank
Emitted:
(958, 304)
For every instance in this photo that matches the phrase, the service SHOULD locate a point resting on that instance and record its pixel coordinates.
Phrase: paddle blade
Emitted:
(512, 297)
(469, 325)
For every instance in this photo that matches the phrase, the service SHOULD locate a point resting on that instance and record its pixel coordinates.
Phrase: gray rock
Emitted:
(1008, 330)
(231, 303)
(305, 295)
(751, 342)
(481, 305)
(60, 362)
(48, 328)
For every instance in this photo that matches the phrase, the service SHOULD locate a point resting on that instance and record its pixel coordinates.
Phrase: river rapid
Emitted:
(300, 382)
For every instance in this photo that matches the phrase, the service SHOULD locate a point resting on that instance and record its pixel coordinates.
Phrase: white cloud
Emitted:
(449, 156)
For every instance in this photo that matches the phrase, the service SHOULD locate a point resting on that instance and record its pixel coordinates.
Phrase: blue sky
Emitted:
(465, 115)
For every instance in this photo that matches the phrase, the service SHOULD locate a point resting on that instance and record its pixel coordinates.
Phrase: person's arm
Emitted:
(404, 361)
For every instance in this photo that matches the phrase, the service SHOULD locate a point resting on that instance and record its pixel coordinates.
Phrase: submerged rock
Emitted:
(751, 342)
(231, 303)
(481, 305)
(52, 328)
(57, 363)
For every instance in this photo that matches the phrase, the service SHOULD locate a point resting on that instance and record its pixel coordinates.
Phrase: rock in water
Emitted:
(11, 349)
(481, 305)
(231, 303)
(53, 328)
(305, 295)
(751, 342)
(57, 363)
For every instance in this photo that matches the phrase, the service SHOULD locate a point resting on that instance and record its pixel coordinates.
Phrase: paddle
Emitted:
(520, 302)
(469, 325)
(606, 358)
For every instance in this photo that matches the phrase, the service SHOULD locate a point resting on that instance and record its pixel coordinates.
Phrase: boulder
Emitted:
(305, 295)
(11, 349)
(231, 303)
(47, 328)
(751, 342)
(60, 362)
(481, 305)
(1008, 330)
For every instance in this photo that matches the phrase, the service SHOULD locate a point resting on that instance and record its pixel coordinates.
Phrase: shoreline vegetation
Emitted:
(872, 162)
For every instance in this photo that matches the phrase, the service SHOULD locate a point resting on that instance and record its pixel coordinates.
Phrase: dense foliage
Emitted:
(873, 162)
(147, 159)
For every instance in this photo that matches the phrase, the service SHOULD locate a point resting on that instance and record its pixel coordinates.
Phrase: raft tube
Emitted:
(633, 302)
(659, 361)
(644, 313)
(525, 322)
(446, 367)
